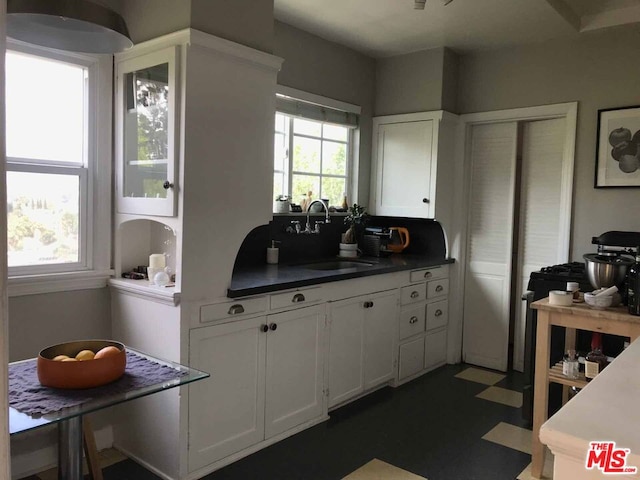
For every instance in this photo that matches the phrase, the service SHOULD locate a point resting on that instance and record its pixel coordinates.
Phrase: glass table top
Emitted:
(20, 422)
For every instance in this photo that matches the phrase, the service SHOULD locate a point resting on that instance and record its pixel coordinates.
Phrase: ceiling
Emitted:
(381, 28)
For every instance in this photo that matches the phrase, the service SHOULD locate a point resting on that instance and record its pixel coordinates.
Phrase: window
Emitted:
(312, 151)
(57, 129)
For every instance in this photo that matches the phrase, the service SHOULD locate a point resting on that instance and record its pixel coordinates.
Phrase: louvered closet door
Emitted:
(541, 211)
(490, 232)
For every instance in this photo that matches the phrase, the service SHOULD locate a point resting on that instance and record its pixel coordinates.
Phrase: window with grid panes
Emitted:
(52, 158)
(311, 156)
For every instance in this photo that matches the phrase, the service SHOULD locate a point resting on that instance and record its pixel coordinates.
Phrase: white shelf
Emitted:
(148, 162)
(142, 288)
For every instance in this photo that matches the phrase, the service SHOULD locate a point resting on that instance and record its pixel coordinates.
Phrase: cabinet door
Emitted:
(411, 358)
(435, 349)
(346, 356)
(146, 134)
(294, 369)
(380, 334)
(403, 169)
(226, 411)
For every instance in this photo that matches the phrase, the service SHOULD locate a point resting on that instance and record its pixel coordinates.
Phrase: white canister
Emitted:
(560, 298)
(273, 253)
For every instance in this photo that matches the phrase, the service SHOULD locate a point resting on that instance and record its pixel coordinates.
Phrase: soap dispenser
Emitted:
(272, 253)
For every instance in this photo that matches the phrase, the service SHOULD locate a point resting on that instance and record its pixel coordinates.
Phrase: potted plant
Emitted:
(356, 218)
(282, 203)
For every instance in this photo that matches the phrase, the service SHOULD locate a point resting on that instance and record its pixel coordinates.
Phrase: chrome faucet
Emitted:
(316, 229)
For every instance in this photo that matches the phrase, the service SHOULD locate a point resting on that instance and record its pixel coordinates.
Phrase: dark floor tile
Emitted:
(431, 426)
(513, 381)
(127, 470)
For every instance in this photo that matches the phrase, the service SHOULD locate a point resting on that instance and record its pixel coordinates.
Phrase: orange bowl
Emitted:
(80, 374)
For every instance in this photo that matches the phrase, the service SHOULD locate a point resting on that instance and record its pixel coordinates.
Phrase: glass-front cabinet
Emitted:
(146, 129)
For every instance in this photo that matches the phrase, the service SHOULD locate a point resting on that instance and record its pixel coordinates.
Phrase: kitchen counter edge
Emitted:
(261, 279)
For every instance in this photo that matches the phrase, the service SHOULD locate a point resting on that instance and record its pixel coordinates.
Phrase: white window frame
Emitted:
(353, 133)
(93, 267)
(289, 171)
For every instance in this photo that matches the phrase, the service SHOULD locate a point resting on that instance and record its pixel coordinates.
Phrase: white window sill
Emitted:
(57, 282)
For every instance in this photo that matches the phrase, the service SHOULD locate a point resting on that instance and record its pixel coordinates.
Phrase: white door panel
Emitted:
(490, 233)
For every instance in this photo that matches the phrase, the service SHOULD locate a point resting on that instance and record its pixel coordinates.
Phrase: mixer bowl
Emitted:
(604, 271)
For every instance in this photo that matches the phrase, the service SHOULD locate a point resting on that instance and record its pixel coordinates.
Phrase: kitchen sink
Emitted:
(335, 265)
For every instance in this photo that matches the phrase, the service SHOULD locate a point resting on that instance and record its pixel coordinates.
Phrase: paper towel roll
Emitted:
(560, 298)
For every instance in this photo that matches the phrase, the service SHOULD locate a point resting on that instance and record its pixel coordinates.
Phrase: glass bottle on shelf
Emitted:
(570, 365)
(595, 361)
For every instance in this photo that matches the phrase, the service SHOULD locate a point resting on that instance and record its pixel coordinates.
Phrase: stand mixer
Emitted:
(616, 253)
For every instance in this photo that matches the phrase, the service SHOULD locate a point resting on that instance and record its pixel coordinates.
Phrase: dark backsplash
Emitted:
(426, 238)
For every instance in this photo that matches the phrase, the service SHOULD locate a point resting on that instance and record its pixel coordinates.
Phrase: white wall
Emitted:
(319, 66)
(37, 321)
(600, 70)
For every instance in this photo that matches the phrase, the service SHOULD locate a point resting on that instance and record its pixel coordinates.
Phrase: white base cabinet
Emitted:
(294, 369)
(423, 319)
(362, 352)
(226, 411)
(266, 378)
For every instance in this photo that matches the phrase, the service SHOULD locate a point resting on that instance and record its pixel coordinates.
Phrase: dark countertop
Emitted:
(272, 278)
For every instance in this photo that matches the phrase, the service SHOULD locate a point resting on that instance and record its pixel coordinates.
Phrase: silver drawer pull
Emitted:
(298, 297)
(428, 274)
(413, 320)
(415, 294)
(236, 309)
(439, 288)
(438, 313)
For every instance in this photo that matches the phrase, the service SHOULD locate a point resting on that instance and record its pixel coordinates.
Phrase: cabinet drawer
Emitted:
(428, 274)
(437, 314)
(237, 308)
(438, 288)
(435, 350)
(296, 299)
(412, 321)
(413, 294)
(411, 358)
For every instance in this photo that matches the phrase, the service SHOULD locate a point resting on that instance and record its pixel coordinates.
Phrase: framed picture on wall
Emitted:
(618, 148)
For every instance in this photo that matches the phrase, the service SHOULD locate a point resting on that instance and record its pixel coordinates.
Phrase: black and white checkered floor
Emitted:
(456, 423)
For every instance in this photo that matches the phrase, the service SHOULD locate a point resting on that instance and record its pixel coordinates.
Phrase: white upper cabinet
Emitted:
(412, 164)
(146, 126)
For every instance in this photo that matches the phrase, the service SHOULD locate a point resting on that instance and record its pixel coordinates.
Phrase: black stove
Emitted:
(564, 269)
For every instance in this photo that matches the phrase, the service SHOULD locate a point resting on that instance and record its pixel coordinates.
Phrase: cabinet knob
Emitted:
(298, 297)
(368, 304)
(264, 328)
(273, 327)
(167, 185)
(439, 288)
(428, 274)
(425, 200)
(236, 309)
(413, 320)
(438, 313)
(414, 294)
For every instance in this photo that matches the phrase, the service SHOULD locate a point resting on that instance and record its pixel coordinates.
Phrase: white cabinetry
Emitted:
(147, 122)
(266, 378)
(362, 348)
(226, 411)
(412, 172)
(423, 320)
(294, 368)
